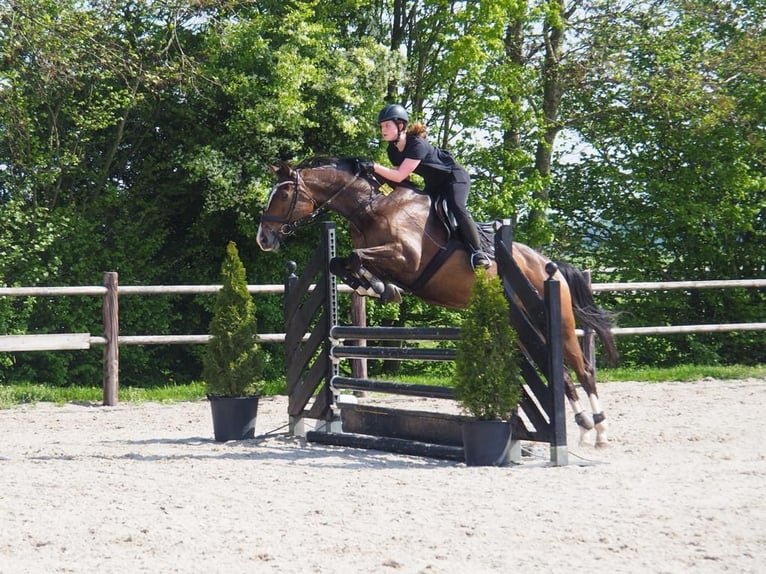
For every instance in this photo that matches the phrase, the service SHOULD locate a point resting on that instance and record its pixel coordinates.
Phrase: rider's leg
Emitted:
(466, 225)
(470, 235)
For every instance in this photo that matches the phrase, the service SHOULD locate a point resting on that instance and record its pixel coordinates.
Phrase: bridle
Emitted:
(289, 227)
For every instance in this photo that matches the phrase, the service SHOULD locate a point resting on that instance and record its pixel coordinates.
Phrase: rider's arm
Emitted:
(400, 173)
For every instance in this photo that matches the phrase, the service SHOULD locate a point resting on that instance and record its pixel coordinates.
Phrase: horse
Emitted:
(402, 245)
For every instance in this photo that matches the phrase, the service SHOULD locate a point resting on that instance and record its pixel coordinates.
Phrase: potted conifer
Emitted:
(487, 380)
(233, 361)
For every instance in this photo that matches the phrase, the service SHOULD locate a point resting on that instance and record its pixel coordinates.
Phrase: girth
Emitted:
(436, 262)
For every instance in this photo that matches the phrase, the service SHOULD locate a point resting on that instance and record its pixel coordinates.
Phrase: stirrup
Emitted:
(480, 259)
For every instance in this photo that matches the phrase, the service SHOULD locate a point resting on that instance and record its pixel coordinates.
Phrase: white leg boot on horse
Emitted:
(584, 420)
(602, 440)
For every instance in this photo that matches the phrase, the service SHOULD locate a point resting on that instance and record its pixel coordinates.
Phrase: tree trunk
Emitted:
(553, 36)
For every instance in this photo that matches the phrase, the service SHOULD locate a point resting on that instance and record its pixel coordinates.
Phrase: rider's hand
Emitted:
(365, 167)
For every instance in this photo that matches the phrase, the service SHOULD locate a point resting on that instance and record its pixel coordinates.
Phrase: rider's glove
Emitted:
(365, 167)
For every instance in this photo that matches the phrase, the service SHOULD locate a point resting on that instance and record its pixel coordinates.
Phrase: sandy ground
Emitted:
(144, 488)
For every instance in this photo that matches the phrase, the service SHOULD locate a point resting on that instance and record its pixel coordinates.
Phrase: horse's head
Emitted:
(301, 195)
(289, 202)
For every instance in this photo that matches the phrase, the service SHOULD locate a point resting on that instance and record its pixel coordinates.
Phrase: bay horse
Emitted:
(400, 244)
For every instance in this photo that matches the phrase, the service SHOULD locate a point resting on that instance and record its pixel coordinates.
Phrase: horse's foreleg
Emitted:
(382, 258)
(354, 274)
(340, 268)
(375, 283)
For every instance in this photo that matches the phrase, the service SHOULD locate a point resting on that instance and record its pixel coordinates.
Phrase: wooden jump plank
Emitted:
(386, 444)
(55, 342)
(403, 424)
(393, 387)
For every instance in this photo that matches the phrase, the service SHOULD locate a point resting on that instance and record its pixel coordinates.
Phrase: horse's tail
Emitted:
(587, 312)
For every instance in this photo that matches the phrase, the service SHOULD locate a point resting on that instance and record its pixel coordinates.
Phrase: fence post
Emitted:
(552, 296)
(589, 336)
(293, 337)
(330, 302)
(111, 334)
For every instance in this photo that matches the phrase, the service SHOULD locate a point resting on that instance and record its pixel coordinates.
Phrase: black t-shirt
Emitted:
(435, 165)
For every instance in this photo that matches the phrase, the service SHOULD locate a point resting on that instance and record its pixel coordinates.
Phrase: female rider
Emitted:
(409, 151)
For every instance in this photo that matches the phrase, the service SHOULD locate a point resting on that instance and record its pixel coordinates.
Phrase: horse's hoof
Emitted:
(601, 431)
(365, 292)
(337, 266)
(377, 286)
(392, 294)
(602, 443)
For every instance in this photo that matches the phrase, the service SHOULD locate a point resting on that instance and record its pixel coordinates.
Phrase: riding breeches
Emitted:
(455, 190)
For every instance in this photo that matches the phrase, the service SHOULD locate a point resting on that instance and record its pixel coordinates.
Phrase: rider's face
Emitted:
(389, 130)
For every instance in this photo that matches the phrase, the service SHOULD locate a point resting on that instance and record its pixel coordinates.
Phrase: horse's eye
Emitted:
(281, 195)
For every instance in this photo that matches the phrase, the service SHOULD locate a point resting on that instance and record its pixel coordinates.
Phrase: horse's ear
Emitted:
(282, 169)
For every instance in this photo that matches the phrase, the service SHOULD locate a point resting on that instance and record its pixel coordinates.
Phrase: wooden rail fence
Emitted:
(112, 340)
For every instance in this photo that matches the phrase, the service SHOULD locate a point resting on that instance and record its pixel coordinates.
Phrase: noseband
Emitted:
(289, 227)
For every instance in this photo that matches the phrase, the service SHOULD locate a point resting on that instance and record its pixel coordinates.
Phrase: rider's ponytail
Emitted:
(418, 129)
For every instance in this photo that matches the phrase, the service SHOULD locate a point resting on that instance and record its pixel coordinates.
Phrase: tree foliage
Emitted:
(674, 186)
(136, 137)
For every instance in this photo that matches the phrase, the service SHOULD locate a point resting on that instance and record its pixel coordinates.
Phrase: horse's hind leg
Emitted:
(574, 357)
(599, 418)
(582, 418)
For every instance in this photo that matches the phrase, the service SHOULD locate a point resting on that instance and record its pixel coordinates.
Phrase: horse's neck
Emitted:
(342, 195)
(391, 208)
(355, 200)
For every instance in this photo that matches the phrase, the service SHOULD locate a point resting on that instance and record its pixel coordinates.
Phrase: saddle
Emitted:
(440, 210)
(486, 229)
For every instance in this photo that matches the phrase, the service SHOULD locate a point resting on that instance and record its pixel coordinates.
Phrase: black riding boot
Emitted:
(470, 235)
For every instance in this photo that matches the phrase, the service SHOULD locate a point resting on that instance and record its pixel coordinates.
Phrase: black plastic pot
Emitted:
(233, 417)
(487, 443)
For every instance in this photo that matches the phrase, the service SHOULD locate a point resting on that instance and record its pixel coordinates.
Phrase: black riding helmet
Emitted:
(393, 112)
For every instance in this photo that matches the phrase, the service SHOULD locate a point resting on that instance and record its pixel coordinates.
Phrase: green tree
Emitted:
(136, 137)
(674, 186)
(488, 381)
(80, 88)
(233, 359)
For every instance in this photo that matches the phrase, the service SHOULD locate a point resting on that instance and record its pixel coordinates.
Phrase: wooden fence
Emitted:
(112, 340)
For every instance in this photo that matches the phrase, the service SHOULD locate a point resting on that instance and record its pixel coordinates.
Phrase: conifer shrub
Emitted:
(487, 380)
(233, 362)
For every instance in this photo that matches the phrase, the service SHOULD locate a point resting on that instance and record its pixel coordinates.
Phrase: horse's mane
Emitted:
(342, 163)
(350, 165)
